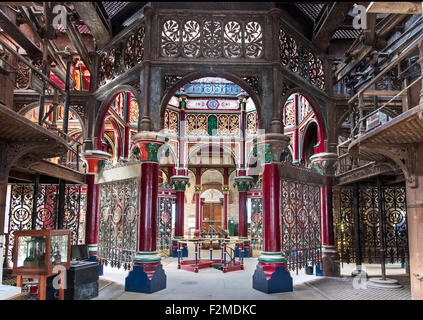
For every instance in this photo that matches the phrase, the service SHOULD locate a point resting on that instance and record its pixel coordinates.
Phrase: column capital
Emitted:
(149, 142)
(225, 189)
(326, 162)
(270, 146)
(243, 182)
(179, 182)
(95, 159)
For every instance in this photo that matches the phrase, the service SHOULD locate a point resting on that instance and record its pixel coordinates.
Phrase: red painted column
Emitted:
(330, 257)
(243, 183)
(93, 159)
(243, 223)
(271, 194)
(225, 190)
(147, 273)
(328, 238)
(179, 182)
(197, 202)
(179, 222)
(147, 235)
(146, 254)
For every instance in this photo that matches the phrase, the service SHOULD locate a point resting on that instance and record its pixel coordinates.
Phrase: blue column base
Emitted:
(137, 280)
(237, 252)
(280, 281)
(100, 266)
(184, 252)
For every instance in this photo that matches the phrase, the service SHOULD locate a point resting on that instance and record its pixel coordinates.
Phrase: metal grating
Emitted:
(346, 34)
(312, 10)
(82, 28)
(113, 7)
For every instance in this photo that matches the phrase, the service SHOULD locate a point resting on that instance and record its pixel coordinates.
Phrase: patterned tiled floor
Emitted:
(343, 289)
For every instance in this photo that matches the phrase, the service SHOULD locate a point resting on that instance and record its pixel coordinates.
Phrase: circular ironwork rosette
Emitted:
(288, 217)
(131, 214)
(21, 215)
(45, 216)
(117, 213)
(395, 217)
(372, 217)
(69, 217)
(105, 213)
(302, 217)
(165, 217)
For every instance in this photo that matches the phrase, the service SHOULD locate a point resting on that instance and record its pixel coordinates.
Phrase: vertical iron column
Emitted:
(61, 204)
(35, 201)
(381, 226)
(147, 274)
(67, 97)
(357, 242)
(94, 159)
(179, 182)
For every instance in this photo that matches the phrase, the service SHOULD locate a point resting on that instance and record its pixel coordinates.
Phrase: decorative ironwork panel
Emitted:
(394, 227)
(72, 211)
(118, 218)
(369, 228)
(256, 233)
(47, 207)
(300, 59)
(211, 37)
(20, 212)
(300, 224)
(344, 224)
(395, 224)
(164, 223)
(21, 205)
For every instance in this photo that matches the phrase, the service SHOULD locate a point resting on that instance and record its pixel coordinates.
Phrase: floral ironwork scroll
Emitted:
(122, 56)
(300, 224)
(118, 218)
(211, 37)
(301, 59)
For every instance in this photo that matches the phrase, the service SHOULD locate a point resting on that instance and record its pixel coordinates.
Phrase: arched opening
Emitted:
(303, 126)
(119, 123)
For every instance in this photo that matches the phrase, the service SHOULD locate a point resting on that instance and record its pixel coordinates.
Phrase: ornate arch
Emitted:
(105, 103)
(36, 104)
(201, 74)
(200, 146)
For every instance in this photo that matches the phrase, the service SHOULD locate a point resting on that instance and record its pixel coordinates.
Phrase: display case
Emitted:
(39, 251)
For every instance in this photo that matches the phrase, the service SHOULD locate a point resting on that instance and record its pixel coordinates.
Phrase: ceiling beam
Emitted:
(395, 7)
(88, 14)
(329, 23)
(18, 36)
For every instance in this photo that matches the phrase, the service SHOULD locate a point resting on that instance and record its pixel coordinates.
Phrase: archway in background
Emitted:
(302, 124)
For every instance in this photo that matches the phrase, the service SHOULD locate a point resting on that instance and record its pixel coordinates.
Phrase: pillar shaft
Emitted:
(326, 212)
(147, 235)
(243, 226)
(197, 214)
(415, 237)
(271, 194)
(91, 216)
(225, 211)
(179, 220)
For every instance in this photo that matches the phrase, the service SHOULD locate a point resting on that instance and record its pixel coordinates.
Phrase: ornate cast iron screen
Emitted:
(211, 36)
(394, 226)
(118, 220)
(256, 229)
(21, 205)
(164, 222)
(300, 224)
